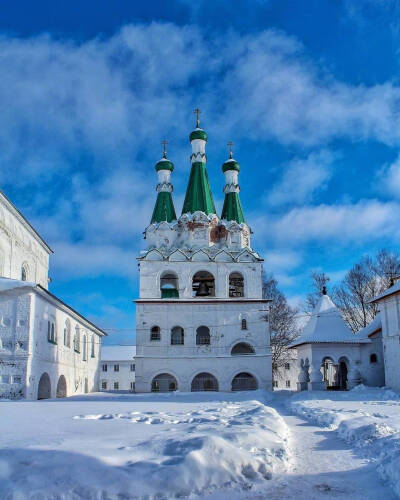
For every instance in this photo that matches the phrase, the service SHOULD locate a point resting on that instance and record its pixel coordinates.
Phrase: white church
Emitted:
(201, 322)
(47, 349)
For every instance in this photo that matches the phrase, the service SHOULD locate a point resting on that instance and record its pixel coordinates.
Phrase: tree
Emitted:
(366, 279)
(282, 323)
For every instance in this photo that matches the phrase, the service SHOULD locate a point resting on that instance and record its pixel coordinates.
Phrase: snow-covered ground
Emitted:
(140, 446)
(366, 418)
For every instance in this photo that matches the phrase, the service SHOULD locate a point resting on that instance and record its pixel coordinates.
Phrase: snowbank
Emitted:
(140, 446)
(368, 418)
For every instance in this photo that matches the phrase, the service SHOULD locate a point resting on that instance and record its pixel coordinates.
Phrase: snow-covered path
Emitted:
(324, 466)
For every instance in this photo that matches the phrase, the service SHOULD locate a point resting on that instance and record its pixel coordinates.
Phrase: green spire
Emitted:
(198, 193)
(232, 209)
(164, 210)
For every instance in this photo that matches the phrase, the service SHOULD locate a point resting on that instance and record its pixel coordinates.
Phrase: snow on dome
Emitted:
(327, 325)
(118, 352)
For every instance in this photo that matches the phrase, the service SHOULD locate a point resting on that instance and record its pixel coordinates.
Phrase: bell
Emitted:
(202, 290)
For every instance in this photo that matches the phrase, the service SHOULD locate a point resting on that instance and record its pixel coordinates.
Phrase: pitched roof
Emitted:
(390, 291)
(373, 327)
(118, 352)
(232, 209)
(327, 325)
(164, 208)
(10, 284)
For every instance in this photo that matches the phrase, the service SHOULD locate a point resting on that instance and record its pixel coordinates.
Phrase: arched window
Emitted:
(203, 284)
(155, 333)
(242, 349)
(67, 333)
(164, 383)
(84, 348)
(24, 272)
(236, 285)
(244, 324)
(169, 285)
(373, 358)
(77, 340)
(202, 336)
(204, 382)
(244, 382)
(177, 336)
(92, 351)
(51, 332)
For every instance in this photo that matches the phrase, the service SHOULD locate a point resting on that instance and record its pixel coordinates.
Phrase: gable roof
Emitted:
(326, 325)
(373, 327)
(390, 291)
(10, 205)
(7, 284)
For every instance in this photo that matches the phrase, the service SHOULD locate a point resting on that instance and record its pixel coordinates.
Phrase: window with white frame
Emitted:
(104, 368)
(287, 366)
(84, 348)
(275, 383)
(17, 379)
(92, 348)
(67, 333)
(116, 386)
(132, 386)
(132, 367)
(287, 383)
(104, 384)
(116, 368)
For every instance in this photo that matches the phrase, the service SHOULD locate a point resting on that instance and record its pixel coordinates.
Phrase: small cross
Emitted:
(230, 144)
(164, 143)
(197, 113)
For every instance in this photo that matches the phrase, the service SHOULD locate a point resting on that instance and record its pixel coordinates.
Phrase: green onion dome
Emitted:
(230, 164)
(164, 164)
(198, 133)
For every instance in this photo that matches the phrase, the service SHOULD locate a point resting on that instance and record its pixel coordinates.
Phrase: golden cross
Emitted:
(197, 112)
(164, 143)
(230, 144)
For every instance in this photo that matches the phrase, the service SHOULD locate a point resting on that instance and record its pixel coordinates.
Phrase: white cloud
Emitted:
(302, 178)
(389, 177)
(341, 224)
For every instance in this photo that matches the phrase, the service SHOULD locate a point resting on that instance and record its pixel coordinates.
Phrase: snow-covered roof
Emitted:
(327, 325)
(374, 326)
(9, 284)
(390, 291)
(118, 352)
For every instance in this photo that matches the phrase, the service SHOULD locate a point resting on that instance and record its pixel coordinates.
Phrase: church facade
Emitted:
(201, 321)
(47, 349)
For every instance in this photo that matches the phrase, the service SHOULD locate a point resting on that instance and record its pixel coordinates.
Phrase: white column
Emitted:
(316, 382)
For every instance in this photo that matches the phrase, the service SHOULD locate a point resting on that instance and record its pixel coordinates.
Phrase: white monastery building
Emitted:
(330, 356)
(47, 349)
(386, 325)
(117, 370)
(200, 322)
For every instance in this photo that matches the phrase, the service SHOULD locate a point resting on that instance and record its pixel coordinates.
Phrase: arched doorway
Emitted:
(330, 373)
(61, 387)
(204, 382)
(164, 383)
(44, 389)
(342, 374)
(244, 382)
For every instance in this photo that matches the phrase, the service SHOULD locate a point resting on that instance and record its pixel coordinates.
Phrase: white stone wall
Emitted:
(27, 353)
(125, 377)
(390, 313)
(373, 374)
(151, 271)
(20, 246)
(224, 320)
(286, 377)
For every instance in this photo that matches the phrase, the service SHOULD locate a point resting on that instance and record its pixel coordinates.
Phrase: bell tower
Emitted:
(200, 322)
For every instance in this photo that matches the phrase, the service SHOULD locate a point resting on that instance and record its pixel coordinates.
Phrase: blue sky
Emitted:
(309, 92)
